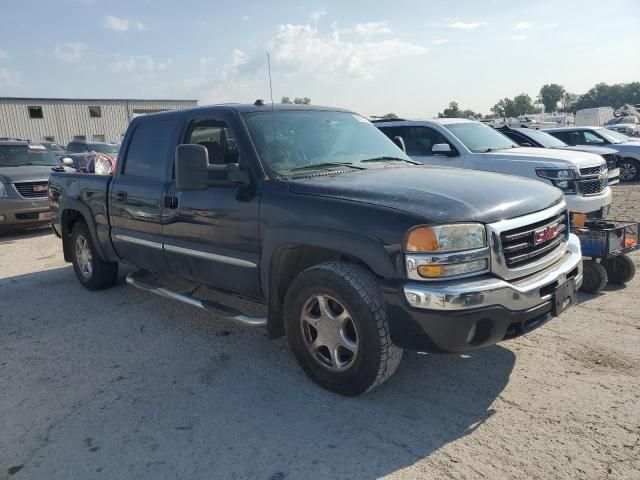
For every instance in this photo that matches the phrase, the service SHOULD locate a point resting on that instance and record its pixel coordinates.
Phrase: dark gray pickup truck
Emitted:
(356, 251)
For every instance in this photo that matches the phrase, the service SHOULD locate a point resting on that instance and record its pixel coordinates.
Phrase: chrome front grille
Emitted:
(525, 244)
(591, 170)
(592, 187)
(32, 189)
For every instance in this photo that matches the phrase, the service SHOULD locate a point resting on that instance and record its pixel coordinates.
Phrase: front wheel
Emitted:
(629, 170)
(93, 272)
(594, 277)
(337, 328)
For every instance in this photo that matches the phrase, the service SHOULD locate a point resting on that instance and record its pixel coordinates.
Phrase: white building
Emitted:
(64, 119)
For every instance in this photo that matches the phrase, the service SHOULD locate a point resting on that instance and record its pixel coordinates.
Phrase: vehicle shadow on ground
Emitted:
(135, 386)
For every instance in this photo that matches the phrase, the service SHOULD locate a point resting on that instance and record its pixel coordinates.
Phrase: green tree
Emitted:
(452, 111)
(603, 95)
(286, 101)
(524, 104)
(302, 101)
(550, 95)
(568, 102)
(386, 116)
(504, 108)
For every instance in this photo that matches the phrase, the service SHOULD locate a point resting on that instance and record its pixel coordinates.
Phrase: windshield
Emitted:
(479, 138)
(314, 139)
(543, 138)
(612, 136)
(20, 155)
(103, 148)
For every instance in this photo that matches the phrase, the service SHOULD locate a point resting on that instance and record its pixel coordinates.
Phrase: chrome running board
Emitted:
(138, 280)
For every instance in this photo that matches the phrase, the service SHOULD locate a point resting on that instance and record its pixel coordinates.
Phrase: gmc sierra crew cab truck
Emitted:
(356, 251)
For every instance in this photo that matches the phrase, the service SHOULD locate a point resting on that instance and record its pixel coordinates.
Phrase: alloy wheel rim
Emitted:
(84, 257)
(329, 332)
(627, 171)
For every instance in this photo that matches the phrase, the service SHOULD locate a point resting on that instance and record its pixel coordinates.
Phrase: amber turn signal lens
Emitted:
(422, 240)
(431, 271)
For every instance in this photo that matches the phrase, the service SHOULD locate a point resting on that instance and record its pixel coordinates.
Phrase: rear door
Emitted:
(212, 236)
(136, 191)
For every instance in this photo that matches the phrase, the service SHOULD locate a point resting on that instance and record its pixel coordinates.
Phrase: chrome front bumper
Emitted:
(487, 290)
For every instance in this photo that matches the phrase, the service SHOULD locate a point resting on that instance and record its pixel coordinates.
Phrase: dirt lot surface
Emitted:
(120, 384)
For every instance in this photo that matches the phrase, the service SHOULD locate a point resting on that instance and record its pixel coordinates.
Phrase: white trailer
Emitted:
(593, 117)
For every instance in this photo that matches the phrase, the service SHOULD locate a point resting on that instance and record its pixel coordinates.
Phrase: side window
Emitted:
(217, 137)
(591, 138)
(72, 147)
(564, 136)
(148, 150)
(420, 141)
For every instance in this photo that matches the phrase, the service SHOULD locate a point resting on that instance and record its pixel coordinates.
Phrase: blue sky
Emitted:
(410, 57)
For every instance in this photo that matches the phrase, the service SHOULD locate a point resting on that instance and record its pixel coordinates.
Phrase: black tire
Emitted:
(620, 269)
(356, 290)
(100, 274)
(595, 277)
(629, 170)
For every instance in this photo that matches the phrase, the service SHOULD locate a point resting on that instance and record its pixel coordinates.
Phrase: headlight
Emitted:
(446, 251)
(561, 178)
(3, 191)
(446, 238)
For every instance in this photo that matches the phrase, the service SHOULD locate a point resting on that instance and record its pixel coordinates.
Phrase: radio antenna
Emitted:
(273, 114)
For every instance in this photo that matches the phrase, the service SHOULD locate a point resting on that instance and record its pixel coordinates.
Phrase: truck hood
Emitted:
(438, 194)
(546, 156)
(590, 149)
(25, 174)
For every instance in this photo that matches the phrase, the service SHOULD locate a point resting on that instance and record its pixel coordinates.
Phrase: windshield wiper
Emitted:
(316, 166)
(390, 159)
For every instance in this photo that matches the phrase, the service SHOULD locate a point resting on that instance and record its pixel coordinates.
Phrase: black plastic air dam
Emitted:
(439, 331)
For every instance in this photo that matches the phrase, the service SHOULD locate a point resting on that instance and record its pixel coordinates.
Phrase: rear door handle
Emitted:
(121, 197)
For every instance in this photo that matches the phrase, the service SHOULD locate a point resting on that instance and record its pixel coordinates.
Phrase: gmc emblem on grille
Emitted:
(39, 188)
(545, 234)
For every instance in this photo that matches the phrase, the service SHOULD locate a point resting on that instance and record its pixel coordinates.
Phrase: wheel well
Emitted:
(286, 263)
(69, 219)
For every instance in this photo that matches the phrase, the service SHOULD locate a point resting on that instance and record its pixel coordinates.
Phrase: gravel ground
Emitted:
(121, 384)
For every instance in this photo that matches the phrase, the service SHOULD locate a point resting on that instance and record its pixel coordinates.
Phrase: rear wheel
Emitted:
(629, 170)
(337, 328)
(93, 272)
(620, 269)
(595, 277)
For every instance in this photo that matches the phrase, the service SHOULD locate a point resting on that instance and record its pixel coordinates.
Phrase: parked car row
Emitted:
(24, 175)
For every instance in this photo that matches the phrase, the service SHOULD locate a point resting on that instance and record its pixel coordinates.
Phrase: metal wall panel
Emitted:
(65, 118)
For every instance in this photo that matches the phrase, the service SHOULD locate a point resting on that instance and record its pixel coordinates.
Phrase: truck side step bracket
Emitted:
(138, 280)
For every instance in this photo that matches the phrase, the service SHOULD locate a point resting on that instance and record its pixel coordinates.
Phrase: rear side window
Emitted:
(148, 150)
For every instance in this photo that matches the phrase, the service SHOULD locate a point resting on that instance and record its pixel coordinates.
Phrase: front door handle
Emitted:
(121, 197)
(171, 202)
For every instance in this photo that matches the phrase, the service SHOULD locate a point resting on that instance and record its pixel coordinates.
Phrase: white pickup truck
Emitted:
(463, 143)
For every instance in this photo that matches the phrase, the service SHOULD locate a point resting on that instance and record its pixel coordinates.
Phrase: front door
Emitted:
(212, 236)
(135, 196)
(419, 142)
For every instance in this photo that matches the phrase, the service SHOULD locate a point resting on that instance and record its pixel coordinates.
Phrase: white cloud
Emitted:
(238, 60)
(246, 18)
(9, 78)
(440, 41)
(519, 37)
(69, 52)
(140, 65)
(317, 15)
(465, 25)
(122, 24)
(301, 49)
(372, 28)
(550, 25)
(3, 54)
(522, 26)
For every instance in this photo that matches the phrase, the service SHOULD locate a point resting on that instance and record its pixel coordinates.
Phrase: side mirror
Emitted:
(193, 171)
(67, 162)
(441, 149)
(399, 141)
(191, 167)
